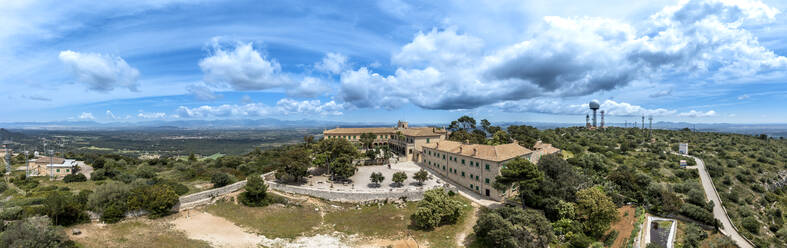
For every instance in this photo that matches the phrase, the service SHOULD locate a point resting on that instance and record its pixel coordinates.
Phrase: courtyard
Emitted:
(360, 181)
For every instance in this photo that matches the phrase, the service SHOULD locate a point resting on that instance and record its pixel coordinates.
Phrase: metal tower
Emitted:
(643, 122)
(594, 105)
(650, 126)
(602, 119)
(587, 120)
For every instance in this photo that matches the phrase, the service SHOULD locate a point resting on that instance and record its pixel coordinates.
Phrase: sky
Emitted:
(701, 61)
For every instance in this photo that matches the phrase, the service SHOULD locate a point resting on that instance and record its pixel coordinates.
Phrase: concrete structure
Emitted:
(402, 139)
(475, 166)
(683, 163)
(594, 105)
(58, 167)
(683, 148)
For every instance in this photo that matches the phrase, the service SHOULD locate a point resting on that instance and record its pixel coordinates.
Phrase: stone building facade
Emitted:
(475, 166)
(402, 139)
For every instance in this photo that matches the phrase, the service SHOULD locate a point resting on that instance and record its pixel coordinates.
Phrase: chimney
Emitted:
(475, 151)
(460, 149)
(436, 145)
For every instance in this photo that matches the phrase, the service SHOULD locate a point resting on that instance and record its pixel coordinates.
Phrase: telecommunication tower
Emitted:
(594, 105)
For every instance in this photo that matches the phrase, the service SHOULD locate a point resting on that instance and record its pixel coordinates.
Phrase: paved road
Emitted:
(718, 211)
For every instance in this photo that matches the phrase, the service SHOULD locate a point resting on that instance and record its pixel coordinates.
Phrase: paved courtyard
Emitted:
(360, 180)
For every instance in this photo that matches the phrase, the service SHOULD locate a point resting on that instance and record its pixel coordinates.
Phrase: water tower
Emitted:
(594, 105)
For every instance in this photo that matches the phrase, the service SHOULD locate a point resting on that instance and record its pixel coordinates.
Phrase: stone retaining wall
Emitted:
(206, 197)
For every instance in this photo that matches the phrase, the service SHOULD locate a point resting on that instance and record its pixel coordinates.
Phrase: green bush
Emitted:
(157, 199)
(751, 224)
(514, 227)
(70, 178)
(113, 213)
(34, 232)
(436, 209)
(220, 180)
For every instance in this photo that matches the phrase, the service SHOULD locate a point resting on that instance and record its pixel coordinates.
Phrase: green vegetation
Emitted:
(376, 178)
(399, 177)
(436, 209)
(514, 227)
(421, 176)
(220, 180)
(273, 222)
(34, 232)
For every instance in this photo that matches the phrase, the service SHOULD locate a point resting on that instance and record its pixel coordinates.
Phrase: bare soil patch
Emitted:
(624, 225)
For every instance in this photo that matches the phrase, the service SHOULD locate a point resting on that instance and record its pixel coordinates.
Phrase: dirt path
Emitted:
(624, 225)
(467, 227)
(216, 230)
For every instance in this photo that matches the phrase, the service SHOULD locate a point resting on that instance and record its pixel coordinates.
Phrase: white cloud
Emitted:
(309, 87)
(245, 99)
(86, 116)
(333, 63)
(111, 115)
(661, 93)
(101, 72)
(743, 97)
(289, 106)
(156, 115)
(551, 106)
(697, 114)
(568, 56)
(284, 106)
(202, 92)
(241, 67)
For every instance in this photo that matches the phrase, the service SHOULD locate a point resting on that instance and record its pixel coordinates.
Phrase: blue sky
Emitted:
(695, 61)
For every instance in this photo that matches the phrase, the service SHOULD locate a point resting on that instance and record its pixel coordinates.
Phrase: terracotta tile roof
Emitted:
(413, 131)
(487, 152)
(45, 160)
(359, 130)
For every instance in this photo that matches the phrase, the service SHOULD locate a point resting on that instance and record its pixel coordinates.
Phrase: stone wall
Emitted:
(206, 197)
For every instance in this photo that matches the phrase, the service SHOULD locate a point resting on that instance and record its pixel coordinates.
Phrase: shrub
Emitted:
(34, 232)
(256, 194)
(580, 240)
(698, 213)
(436, 209)
(70, 178)
(513, 227)
(63, 208)
(113, 213)
(751, 224)
(220, 180)
(157, 199)
(98, 175)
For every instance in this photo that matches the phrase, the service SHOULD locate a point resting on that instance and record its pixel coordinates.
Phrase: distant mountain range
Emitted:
(775, 130)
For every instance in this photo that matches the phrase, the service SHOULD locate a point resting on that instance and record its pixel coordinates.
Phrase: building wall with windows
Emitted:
(475, 166)
(402, 139)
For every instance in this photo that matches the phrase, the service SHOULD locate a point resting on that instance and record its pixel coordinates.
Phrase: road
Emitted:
(718, 211)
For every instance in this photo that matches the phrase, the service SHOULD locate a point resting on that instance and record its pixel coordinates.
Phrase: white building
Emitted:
(683, 148)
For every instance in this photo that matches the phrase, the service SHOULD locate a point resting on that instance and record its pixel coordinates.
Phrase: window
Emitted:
(476, 188)
(471, 175)
(443, 156)
(427, 140)
(471, 186)
(463, 174)
(68, 170)
(58, 170)
(486, 180)
(476, 178)
(487, 166)
(463, 161)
